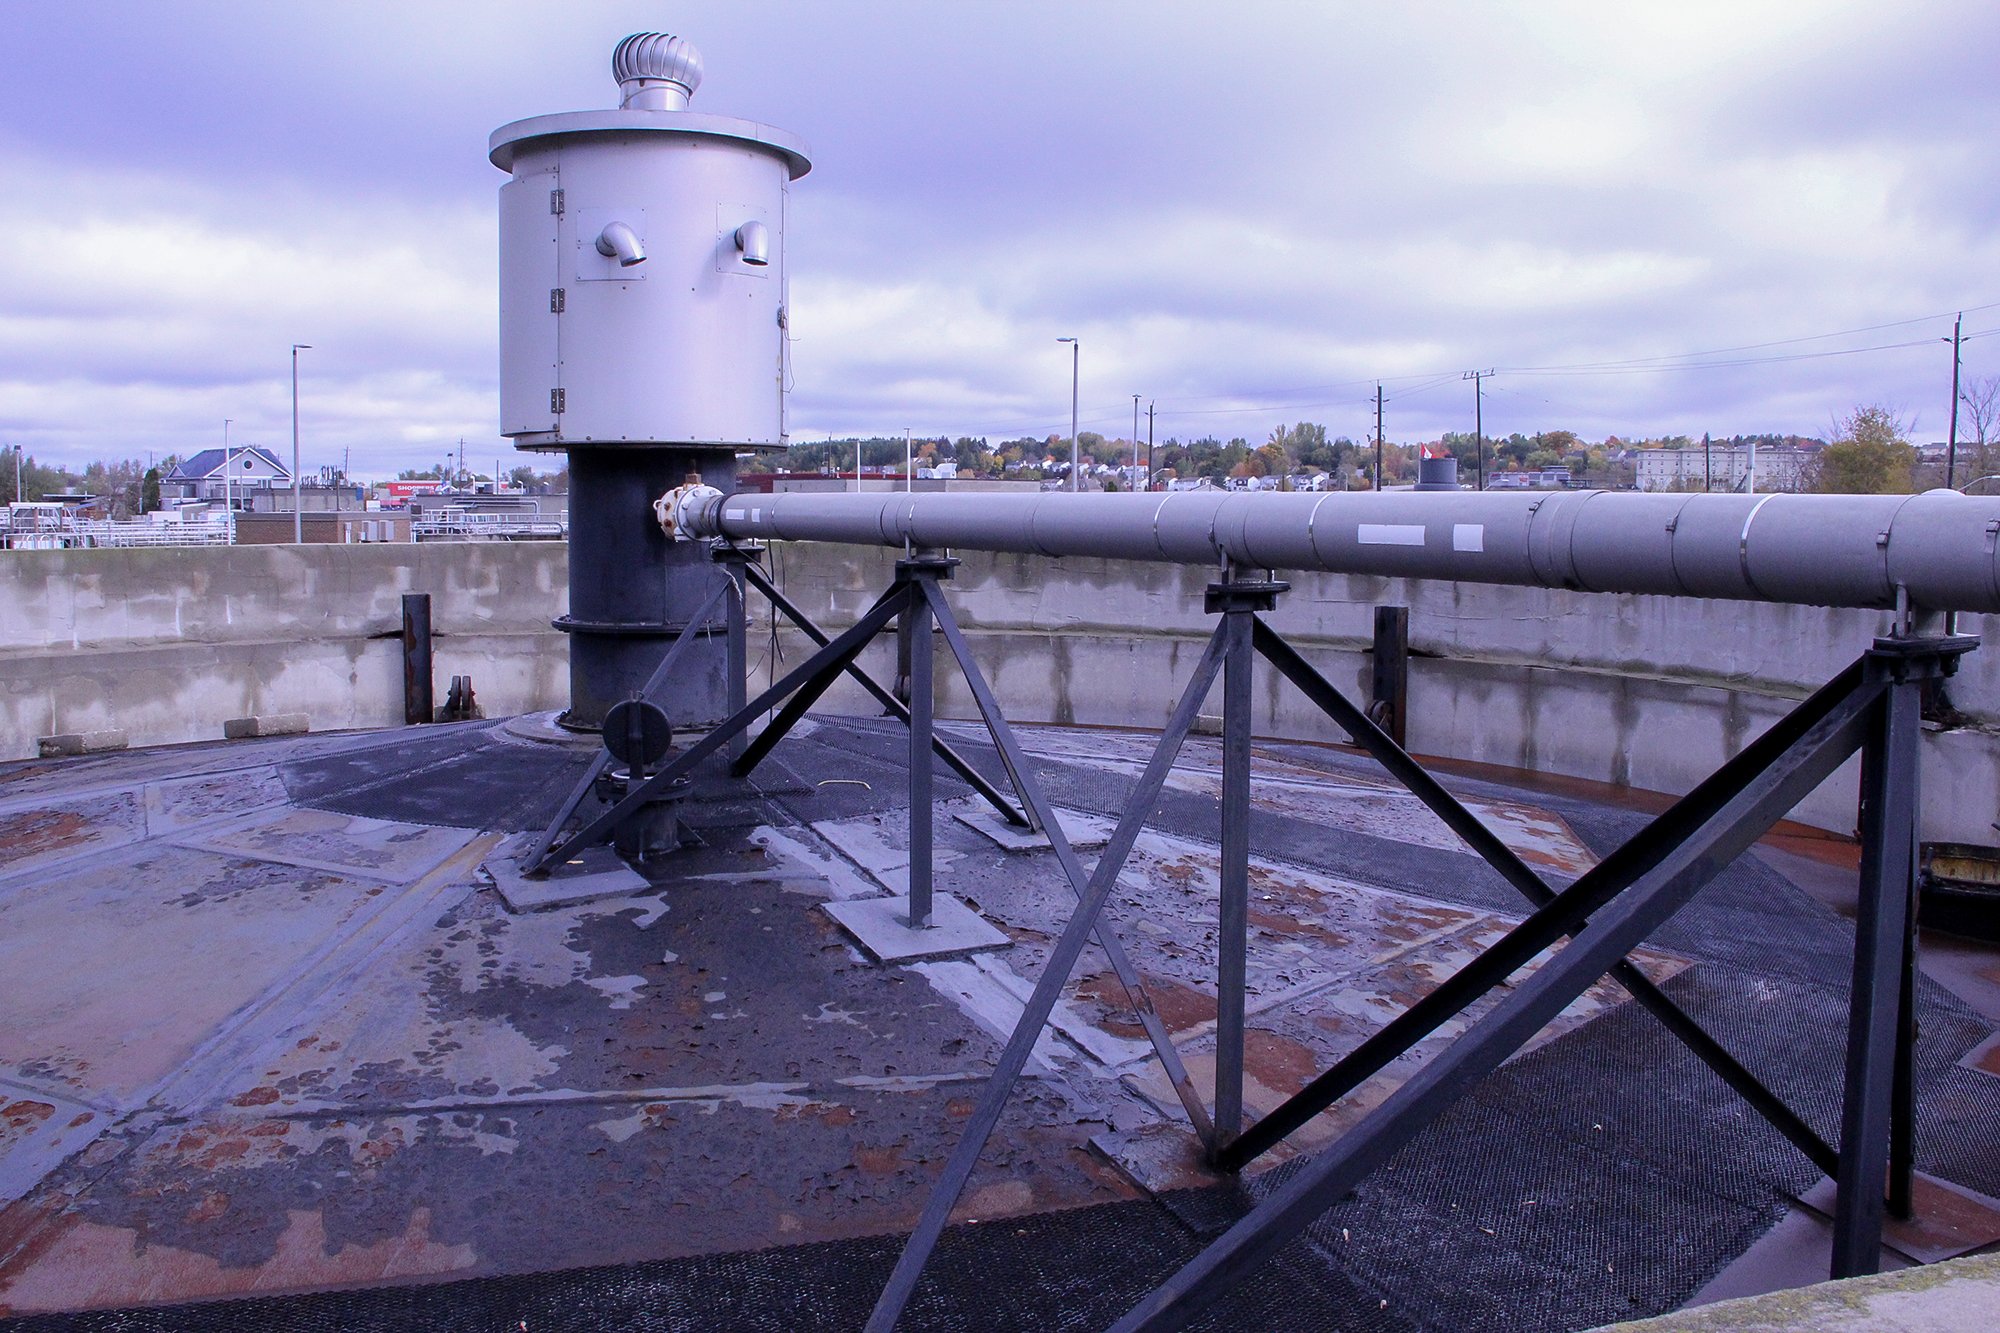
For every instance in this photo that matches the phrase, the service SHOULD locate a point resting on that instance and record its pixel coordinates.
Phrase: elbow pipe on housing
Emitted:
(753, 244)
(1942, 548)
(618, 241)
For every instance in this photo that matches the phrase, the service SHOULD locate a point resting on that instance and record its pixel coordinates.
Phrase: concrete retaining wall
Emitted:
(1645, 691)
(167, 643)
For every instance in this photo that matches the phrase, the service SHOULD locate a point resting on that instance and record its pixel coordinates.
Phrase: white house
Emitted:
(205, 476)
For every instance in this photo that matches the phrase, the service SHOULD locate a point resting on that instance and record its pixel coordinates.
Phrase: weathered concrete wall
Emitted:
(1650, 692)
(1646, 691)
(167, 643)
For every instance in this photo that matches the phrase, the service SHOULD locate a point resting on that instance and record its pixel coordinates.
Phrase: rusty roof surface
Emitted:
(266, 1025)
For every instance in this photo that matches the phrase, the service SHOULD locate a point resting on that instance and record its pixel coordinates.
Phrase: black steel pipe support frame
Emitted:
(1495, 964)
(1237, 598)
(895, 707)
(1605, 913)
(914, 593)
(537, 858)
(1875, 708)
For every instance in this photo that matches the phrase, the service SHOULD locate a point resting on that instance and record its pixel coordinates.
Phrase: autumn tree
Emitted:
(1869, 456)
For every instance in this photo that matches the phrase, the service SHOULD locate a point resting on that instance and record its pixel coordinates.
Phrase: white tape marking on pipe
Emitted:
(1468, 536)
(734, 515)
(756, 516)
(1390, 534)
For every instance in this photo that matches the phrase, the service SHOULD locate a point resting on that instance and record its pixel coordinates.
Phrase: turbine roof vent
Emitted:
(656, 71)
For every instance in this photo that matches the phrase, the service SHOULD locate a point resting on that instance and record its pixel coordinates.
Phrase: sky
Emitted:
(1645, 218)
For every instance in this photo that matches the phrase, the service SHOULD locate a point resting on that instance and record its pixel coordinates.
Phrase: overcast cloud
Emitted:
(1247, 213)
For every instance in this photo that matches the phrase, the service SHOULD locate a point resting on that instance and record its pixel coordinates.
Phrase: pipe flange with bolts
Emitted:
(677, 509)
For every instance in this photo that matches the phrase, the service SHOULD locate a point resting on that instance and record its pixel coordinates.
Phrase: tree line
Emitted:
(1867, 450)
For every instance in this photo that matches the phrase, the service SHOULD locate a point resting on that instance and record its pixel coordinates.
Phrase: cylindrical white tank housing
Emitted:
(642, 267)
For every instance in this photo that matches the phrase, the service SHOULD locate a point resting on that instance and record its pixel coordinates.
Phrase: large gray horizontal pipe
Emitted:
(1817, 550)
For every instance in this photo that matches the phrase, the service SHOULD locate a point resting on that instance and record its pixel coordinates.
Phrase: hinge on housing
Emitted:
(557, 297)
(556, 202)
(558, 400)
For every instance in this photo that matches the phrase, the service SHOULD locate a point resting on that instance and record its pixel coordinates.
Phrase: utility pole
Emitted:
(1149, 446)
(1951, 444)
(227, 502)
(1378, 435)
(909, 463)
(1075, 456)
(1478, 378)
(1707, 466)
(1135, 436)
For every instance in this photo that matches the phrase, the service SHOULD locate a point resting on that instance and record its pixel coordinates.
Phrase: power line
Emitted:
(1418, 384)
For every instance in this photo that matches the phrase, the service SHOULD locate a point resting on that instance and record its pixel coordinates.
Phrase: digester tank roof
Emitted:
(501, 147)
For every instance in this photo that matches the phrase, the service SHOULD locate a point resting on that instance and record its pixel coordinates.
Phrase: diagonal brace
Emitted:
(890, 703)
(1617, 930)
(603, 759)
(1541, 930)
(1079, 881)
(1062, 961)
(850, 642)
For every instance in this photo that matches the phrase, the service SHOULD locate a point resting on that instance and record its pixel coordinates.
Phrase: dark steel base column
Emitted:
(632, 591)
(1877, 1016)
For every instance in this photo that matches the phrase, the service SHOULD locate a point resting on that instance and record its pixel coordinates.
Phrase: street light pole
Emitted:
(298, 514)
(1075, 458)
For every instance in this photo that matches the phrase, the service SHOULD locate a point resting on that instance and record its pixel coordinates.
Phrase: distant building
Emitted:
(336, 526)
(399, 493)
(1726, 468)
(1533, 479)
(313, 495)
(205, 477)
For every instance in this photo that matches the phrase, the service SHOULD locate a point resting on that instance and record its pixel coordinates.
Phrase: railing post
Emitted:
(1388, 699)
(418, 699)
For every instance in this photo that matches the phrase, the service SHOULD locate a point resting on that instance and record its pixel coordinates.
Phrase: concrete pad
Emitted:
(595, 873)
(270, 724)
(1082, 830)
(172, 807)
(81, 742)
(1949, 1219)
(881, 926)
(384, 849)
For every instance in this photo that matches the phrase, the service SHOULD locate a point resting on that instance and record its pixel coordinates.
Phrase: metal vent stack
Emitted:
(642, 332)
